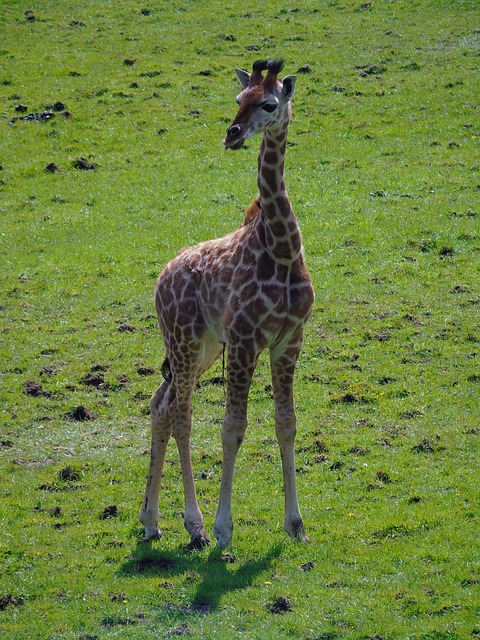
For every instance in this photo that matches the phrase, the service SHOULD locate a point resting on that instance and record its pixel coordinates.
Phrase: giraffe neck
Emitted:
(281, 233)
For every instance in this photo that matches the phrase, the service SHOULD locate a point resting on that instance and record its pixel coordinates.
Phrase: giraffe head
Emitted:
(264, 102)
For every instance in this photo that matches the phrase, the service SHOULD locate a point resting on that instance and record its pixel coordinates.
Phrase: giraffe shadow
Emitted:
(219, 577)
(215, 573)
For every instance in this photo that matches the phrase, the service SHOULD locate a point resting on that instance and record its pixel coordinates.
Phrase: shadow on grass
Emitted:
(217, 579)
(215, 573)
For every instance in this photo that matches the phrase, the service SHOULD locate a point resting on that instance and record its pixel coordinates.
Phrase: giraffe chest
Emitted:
(259, 299)
(234, 290)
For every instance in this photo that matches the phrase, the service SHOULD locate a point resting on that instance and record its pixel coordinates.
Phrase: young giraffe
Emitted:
(247, 291)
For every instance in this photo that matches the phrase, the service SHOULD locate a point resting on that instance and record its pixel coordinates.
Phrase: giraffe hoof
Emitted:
(198, 542)
(296, 530)
(223, 535)
(152, 533)
(302, 537)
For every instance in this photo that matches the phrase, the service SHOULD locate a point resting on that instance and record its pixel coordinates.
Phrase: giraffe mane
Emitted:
(252, 211)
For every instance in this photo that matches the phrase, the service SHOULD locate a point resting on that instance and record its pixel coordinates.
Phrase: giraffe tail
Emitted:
(166, 371)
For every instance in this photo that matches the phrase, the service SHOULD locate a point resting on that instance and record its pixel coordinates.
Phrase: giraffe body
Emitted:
(248, 291)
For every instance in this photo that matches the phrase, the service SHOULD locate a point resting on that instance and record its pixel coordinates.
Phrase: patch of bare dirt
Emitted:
(48, 370)
(52, 168)
(80, 414)
(33, 463)
(280, 605)
(182, 630)
(43, 116)
(109, 512)
(35, 390)
(7, 600)
(145, 371)
(427, 445)
(125, 327)
(84, 165)
(68, 474)
(93, 379)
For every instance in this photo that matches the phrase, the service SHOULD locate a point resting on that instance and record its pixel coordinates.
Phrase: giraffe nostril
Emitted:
(234, 130)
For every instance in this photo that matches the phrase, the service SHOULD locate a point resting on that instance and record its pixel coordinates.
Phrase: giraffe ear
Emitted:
(243, 76)
(288, 87)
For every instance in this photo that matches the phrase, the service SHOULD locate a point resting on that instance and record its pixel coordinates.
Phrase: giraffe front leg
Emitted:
(193, 518)
(161, 430)
(283, 368)
(293, 522)
(233, 431)
(242, 359)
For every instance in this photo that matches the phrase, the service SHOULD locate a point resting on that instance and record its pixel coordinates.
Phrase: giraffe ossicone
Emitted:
(247, 291)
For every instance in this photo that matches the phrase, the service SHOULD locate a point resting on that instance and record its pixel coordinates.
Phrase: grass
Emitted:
(382, 169)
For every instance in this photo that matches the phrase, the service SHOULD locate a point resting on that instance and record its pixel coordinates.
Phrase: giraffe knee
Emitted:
(233, 434)
(159, 400)
(160, 422)
(285, 427)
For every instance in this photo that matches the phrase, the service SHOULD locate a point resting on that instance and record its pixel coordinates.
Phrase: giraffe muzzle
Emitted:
(234, 138)
(234, 131)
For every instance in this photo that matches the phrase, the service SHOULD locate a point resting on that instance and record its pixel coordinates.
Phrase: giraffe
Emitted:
(245, 292)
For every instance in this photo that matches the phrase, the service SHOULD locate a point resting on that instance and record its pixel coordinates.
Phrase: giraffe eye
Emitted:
(269, 107)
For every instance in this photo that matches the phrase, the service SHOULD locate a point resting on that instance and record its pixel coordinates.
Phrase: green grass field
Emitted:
(112, 116)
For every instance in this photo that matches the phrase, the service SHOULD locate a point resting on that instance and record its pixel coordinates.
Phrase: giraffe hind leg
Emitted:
(282, 364)
(161, 430)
